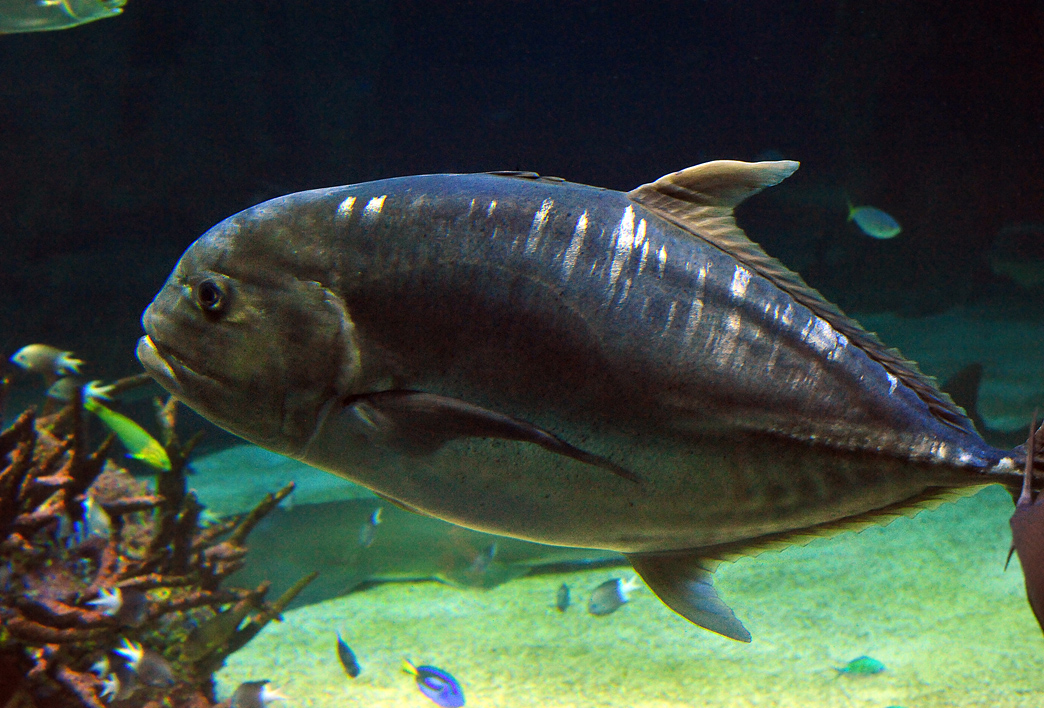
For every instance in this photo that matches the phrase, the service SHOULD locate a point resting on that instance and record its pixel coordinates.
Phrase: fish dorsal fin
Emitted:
(700, 200)
(931, 498)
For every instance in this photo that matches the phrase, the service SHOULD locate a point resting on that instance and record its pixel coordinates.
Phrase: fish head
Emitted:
(246, 330)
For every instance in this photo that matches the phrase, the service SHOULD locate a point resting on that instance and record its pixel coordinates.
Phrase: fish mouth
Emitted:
(163, 365)
(155, 364)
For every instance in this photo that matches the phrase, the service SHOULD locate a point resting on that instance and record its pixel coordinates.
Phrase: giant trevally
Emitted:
(563, 364)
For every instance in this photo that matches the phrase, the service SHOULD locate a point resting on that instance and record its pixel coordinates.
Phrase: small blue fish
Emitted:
(874, 222)
(436, 684)
(610, 596)
(347, 657)
(861, 666)
(562, 600)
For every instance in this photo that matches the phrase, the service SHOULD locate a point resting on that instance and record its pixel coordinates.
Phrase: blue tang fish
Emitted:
(436, 684)
(874, 222)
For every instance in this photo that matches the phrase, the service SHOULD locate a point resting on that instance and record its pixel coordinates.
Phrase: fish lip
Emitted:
(156, 364)
(165, 366)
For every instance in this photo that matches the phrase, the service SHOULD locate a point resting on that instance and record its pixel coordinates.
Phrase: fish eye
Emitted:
(211, 296)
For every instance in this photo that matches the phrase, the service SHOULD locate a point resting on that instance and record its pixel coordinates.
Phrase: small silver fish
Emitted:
(111, 688)
(255, 694)
(483, 558)
(46, 360)
(347, 657)
(65, 388)
(368, 531)
(147, 666)
(611, 595)
(108, 601)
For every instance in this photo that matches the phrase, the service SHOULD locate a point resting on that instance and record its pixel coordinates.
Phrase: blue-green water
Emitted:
(124, 139)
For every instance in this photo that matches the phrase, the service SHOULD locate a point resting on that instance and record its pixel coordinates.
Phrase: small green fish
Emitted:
(874, 222)
(861, 666)
(140, 445)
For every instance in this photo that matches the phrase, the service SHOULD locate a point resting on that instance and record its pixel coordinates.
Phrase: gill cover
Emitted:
(249, 341)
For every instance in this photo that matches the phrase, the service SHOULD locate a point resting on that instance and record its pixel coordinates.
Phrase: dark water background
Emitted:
(124, 139)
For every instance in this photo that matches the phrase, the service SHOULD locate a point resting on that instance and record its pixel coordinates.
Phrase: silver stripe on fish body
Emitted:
(563, 364)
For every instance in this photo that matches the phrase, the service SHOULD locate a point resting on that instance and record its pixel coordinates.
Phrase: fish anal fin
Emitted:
(684, 582)
(700, 200)
(931, 498)
(402, 505)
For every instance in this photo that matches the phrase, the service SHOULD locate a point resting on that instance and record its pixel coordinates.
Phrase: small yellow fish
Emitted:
(43, 15)
(47, 360)
(140, 445)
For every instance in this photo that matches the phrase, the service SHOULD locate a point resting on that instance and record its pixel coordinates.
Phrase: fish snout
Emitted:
(154, 364)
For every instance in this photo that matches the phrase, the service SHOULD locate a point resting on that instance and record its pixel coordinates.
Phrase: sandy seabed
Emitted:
(928, 597)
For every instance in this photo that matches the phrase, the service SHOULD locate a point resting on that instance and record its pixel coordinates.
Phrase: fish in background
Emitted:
(407, 547)
(48, 361)
(436, 684)
(874, 222)
(64, 389)
(139, 443)
(861, 666)
(562, 600)
(128, 607)
(482, 559)
(44, 15)
(255, 694)
(347, 658)
(368, 531)
(611, 595)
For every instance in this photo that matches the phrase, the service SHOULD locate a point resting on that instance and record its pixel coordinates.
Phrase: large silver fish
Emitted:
(563, 364)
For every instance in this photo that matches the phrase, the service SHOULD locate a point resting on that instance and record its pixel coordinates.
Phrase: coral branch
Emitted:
(238, 537)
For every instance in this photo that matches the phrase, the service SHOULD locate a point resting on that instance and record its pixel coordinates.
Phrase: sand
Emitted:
(928, 597)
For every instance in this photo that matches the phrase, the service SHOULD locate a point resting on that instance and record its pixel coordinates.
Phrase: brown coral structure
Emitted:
(61, 644)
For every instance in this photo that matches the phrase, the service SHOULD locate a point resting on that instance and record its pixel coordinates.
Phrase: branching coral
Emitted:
(111, 594)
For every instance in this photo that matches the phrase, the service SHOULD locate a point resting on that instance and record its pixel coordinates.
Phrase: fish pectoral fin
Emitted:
(684, 582)
(418, 423)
